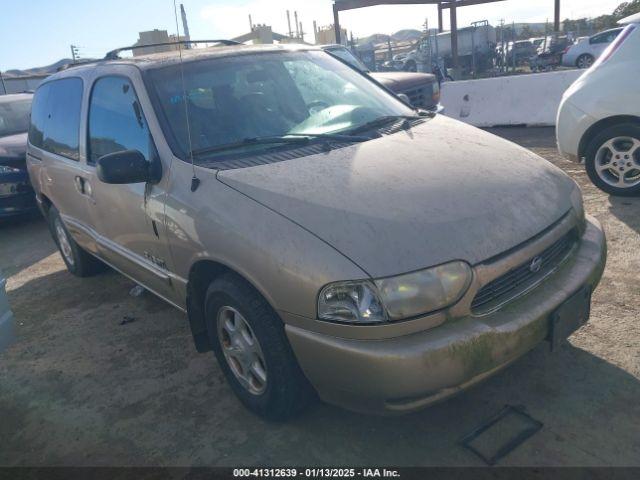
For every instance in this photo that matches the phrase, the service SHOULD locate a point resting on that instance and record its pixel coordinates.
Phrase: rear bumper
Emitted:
(20, 204)
(409, 372)
(16, 195)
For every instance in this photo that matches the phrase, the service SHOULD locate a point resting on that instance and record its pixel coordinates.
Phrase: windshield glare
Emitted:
(269, 94)
(14, 117)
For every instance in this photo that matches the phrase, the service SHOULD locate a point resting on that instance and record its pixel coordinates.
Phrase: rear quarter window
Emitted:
(55, 117)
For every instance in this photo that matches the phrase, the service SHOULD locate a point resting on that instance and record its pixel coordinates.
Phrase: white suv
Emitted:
(599, 116)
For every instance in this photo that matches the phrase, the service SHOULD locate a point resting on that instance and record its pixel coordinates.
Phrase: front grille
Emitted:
(519, 279)
(421, 96)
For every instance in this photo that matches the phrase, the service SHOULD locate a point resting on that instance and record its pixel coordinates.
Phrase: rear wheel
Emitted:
(78, 262)
(613, 160)
(252, 349)
(585, 61)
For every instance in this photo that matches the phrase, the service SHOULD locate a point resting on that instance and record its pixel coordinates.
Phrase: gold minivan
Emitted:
(321, 234)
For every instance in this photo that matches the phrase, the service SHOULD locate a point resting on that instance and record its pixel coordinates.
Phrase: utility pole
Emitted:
(556, 18)
(75, 56)
(289, 24)
(453, 15)
(503, 54)
(295, 18)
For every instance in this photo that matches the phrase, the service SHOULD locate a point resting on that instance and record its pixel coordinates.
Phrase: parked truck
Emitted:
(476, 48)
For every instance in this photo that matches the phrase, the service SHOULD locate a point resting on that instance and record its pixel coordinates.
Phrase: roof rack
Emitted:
(114, 54)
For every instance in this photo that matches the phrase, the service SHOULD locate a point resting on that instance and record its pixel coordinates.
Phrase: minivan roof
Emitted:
(631, 19)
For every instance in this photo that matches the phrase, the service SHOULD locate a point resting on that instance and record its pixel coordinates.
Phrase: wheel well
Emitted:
(46, 204)
(201, 275)
(601, 125)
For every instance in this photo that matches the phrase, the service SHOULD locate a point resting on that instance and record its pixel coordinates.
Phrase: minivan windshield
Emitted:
(14, 117)
(232, 99)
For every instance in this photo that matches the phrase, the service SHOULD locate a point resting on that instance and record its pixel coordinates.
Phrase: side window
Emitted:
(612, 36)
(39, 114)
(600, 38)
(55, 117)
(62, 124)
(116, 121)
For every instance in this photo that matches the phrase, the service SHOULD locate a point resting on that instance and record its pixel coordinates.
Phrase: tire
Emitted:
(613, 152)
(285, 391)
(410, 66)
(78, 262)
(585, 61)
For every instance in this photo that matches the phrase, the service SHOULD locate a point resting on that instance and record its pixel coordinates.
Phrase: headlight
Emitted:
(577, 203)
(6, 169)
(351, 302)
(435, 97)
(395, 298)
(425, 291)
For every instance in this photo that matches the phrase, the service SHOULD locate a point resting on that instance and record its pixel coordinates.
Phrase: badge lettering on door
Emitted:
(157, 261)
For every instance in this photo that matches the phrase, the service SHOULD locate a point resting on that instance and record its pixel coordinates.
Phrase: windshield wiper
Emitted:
(386, 119)
(294, 138)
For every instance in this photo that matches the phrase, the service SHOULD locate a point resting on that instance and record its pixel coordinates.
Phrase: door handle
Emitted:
(83, 186)
(79, 184)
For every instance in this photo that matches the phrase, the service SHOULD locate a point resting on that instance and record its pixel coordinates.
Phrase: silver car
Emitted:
(587, 50)
(322, 236)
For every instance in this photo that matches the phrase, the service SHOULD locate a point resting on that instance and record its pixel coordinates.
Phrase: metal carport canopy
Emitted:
(452, 5)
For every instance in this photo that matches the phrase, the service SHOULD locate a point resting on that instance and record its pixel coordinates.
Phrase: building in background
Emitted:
(327, 35)
(153, 37)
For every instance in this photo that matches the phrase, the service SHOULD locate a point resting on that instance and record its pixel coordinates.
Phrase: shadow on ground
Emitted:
(626, 209)
(81, 388)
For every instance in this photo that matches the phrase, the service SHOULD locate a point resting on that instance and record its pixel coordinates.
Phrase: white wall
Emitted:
(531, 100)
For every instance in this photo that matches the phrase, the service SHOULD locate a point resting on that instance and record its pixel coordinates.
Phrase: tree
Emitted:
(627, 8)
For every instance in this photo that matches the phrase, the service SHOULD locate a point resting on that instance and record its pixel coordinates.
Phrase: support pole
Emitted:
(556, 18)
(454, 38)
(336, 23)
(440, 18)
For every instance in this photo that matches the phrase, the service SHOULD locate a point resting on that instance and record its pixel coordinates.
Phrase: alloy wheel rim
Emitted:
(617, 162)
(63, 241)
(242, 350)
(585, 62)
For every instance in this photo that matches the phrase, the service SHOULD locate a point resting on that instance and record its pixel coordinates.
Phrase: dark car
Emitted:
(16, 195)
(421, 89)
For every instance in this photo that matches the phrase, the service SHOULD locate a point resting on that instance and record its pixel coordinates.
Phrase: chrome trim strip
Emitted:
(98, 237)
(119, 250)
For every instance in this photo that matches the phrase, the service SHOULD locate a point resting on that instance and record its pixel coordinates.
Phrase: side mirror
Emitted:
(127, 166)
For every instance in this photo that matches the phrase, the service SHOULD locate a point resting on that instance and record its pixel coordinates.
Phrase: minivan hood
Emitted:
(441, 191)
(403, 80)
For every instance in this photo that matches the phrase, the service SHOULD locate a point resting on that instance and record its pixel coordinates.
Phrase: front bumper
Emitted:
(408, 372)
(571, 125)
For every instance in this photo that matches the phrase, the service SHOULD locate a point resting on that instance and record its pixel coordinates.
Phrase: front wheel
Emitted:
(252, 349)
(612, 160)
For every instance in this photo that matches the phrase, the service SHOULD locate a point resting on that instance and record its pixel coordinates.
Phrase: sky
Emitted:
(39, 32)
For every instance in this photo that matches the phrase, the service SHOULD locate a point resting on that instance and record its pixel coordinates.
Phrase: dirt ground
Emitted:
(81, 388)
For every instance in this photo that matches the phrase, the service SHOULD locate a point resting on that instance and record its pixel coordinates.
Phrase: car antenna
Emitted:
(195, 181)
